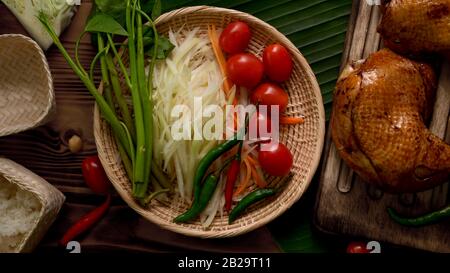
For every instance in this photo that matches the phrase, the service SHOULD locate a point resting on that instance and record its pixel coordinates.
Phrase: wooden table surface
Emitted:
(44, 151)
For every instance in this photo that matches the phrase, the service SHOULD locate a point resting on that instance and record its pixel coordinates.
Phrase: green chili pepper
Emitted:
(214, 154)
(249, 200)
(200, 204)
(206, 162)
(426, 219)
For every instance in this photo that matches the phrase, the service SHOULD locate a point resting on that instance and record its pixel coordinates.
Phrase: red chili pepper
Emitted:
(95, 175)
(86, 222)
(232, 175)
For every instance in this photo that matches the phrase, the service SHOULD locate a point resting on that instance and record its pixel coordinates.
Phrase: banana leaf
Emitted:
(317, 28)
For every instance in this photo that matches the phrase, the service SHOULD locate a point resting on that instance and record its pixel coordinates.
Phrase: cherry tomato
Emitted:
(270, 94)
(357, 247)
(235, 37)
(277, 62)
(258, 121)
(245, 69)
(275, 158)
(95, 175)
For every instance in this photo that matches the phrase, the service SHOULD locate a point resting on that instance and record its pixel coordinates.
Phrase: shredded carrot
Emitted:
(233, 151)
(212, 33)
(253, 161)
(244, 183)
(259, 180)
(291, 120)
(256, 172)
(236, 118)
(220, 58)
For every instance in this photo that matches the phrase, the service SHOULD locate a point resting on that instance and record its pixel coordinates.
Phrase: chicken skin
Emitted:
(416, 26)
(380, 108)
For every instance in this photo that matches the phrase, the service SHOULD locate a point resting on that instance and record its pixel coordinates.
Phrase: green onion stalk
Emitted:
(140, 181)
(147, 103)
(110, 78)
(133, 135)
(107, 112)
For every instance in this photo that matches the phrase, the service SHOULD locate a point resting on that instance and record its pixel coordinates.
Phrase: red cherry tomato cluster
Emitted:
(247, 70)
(261, 78)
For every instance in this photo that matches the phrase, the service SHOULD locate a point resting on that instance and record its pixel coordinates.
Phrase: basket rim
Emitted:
(309, 74)
(50, 91)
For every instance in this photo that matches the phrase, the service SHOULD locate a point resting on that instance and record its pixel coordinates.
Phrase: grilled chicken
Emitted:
(416, 26)
(380, 108)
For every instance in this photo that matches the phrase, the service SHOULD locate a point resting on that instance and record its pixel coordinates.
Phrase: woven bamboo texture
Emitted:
(50, 198)
(305, 140)
(27, 98)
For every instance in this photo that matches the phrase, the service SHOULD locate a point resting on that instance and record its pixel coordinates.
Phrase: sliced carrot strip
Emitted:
(260, 181)
(212, 33)
(235, 101)
(253, 161)
(257, 172)
(220, 57)
(233, 151)
(244, 183)
(291, 120)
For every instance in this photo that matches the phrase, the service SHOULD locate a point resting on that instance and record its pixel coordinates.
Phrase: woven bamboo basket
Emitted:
(305, 141)
(26, 86)
(49, 197)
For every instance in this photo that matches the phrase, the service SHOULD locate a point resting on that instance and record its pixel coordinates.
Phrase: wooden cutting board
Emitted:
(347, 205)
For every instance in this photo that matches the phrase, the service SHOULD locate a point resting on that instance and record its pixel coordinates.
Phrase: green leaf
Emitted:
(147, 6)
(148, 41)
(114, 8)
(156, 11)
(164, 47)
(101, 22)
(147, 31)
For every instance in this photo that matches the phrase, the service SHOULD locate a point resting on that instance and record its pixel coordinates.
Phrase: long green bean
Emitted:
(123, 106)
(146, 101)
(133, 132)
(105, 109)
(139, 163)
(105, 75)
